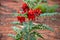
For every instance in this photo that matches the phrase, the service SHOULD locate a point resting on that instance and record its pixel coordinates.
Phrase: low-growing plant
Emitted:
(30, 10)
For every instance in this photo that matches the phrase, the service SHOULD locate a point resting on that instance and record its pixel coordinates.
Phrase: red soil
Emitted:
(6, 18)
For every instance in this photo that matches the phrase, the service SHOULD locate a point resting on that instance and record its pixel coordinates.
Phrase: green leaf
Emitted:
(25, 15)
(27, 26)
(15, 14)
(26, 1)
(26, 36)
(38, 27)
(38, 34)
(44, 1)
(39, 1)
(34, 0)
(48, 28)
(41, 7)
(41, 27)
(18, 36)
(11, 35)
(32, 37)
(16, 29)
(25, 29)
(48, 14)
(30, 24)
(32, 3)
(52, 9)
(15, 22)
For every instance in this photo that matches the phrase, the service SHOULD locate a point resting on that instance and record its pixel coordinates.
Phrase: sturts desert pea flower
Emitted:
(21, 19)
(25, 7)
(31, 15)
(37, 12)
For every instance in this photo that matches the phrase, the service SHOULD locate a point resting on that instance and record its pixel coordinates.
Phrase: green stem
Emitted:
(29, 31)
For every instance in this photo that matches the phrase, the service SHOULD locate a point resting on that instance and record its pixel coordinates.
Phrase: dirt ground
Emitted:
(6, 18)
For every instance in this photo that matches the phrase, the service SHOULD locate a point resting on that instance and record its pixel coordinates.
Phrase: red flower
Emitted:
(37, 12)
(25, 7)
(21, 19)
(31, 15)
